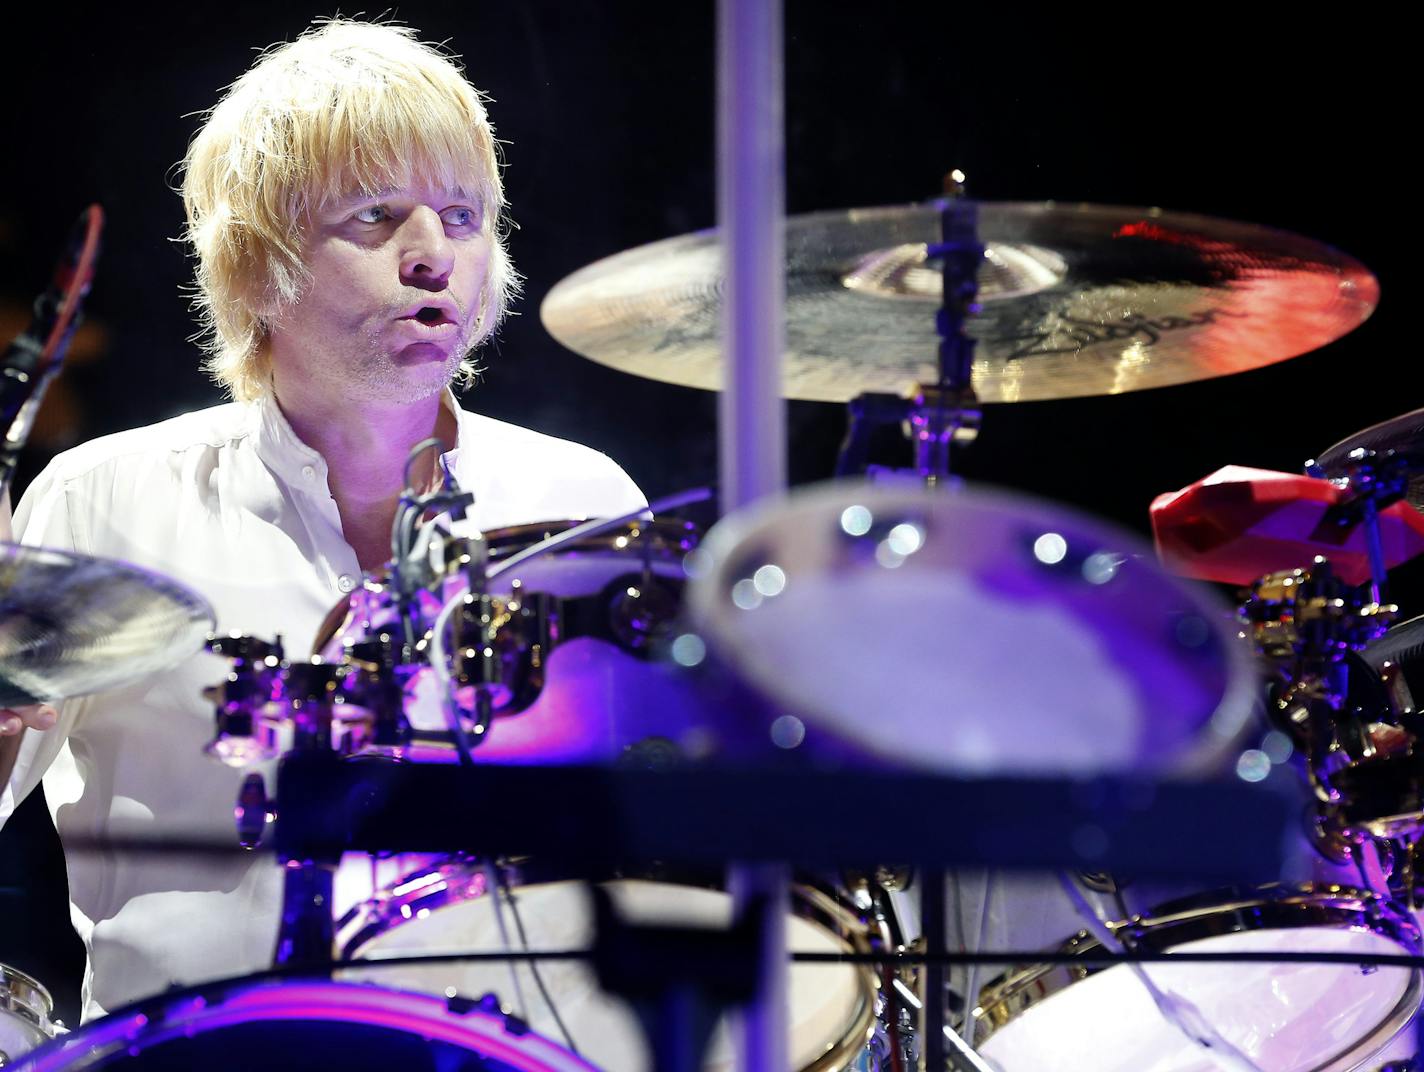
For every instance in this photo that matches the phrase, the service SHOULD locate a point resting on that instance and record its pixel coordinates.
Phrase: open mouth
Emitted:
(431, 315)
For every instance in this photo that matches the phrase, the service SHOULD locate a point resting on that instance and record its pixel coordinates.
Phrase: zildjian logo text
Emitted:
(1071, 334)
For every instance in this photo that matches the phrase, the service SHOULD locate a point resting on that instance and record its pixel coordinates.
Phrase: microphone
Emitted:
(31, 361)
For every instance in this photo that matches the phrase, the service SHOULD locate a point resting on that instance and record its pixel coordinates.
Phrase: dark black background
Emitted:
(608, 109)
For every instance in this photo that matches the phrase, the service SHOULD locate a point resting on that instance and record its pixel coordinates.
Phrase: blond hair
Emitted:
(348, 107)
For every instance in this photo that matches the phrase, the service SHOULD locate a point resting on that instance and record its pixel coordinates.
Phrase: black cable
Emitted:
(503, 887)
(412, 504)
(415, 452)
(411, 508)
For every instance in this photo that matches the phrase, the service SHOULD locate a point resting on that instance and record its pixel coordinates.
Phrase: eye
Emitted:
(372, 214)
(462, 217)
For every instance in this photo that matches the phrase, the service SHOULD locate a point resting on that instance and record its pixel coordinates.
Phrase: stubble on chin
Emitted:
(378, 376)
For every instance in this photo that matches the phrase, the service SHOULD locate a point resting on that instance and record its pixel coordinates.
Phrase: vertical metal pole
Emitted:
(1379, 574)
(306, 935)
(761, 1030)
(751, 179)
(932, 904)
(752, 416)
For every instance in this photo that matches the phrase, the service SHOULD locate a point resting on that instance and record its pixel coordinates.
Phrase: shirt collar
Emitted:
(283, 451)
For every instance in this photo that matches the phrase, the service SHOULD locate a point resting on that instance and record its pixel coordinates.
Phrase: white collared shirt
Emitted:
(229, 502)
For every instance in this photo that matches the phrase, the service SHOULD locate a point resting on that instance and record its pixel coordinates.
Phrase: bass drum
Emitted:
(447, 907)
(1283, 1017)
(297, 1026)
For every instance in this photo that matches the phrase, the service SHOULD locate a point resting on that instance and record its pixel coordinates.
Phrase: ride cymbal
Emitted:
(72, 625)
(1074, 300)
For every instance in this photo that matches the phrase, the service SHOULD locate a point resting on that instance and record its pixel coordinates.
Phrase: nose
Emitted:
(427, 256)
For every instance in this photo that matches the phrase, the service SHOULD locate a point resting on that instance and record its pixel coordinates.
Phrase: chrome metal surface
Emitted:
(25, 1014)
(661, 544)
(71, 625)
(1403, 434)
(1074, 300)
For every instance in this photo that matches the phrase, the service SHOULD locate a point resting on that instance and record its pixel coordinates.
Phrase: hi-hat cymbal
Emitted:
(1402, 435)
(1074, 300)
(72, 625)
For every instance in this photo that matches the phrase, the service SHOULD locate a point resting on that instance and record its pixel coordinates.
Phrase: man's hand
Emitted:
(35, 716)
(13, 722)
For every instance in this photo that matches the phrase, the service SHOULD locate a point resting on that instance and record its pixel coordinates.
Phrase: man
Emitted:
(345, 205)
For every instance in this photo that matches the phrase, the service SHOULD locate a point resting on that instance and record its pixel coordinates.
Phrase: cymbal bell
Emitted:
(1074, 300)
(71, 625)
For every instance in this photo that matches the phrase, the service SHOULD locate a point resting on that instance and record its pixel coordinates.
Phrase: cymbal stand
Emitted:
(306, 936)
(948, 412)
(940, 416)
(933, 897)
(1373, 481)
(1304, 622)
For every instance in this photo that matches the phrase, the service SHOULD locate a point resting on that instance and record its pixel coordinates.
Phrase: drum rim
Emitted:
(668, 538)
(1201, 916)
(14, 986)
(811, 901)
(159, 1019)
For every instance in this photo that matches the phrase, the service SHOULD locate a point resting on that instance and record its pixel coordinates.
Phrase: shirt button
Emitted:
(346, 582)
(309, 472)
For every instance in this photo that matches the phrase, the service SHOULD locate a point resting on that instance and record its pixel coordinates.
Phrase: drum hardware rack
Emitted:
(324, 807)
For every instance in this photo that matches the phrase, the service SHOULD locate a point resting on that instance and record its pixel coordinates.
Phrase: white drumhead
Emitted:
(825, 999)
(971, 630)
(1284, 1017)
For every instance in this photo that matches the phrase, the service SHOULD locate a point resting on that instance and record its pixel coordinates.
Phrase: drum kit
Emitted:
(859, 624)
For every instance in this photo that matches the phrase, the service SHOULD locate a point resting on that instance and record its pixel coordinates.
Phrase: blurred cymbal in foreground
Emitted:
(72, 625)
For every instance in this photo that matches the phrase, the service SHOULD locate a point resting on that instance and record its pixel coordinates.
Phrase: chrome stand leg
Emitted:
(932, 909)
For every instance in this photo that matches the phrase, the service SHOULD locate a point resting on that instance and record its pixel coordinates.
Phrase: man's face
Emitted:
(394, 297)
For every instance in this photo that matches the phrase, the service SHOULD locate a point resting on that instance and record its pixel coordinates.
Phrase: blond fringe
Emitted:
(347, 108)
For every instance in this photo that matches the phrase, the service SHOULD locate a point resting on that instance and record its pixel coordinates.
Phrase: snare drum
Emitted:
(1283, 1017)
(25, 1011)
(447, 907)
(303, 1025)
